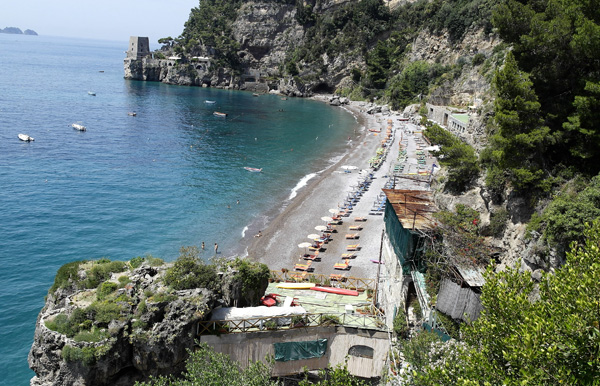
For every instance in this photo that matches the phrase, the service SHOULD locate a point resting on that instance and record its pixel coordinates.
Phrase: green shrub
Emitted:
(154, 261)
(93, 335)
(67, 275)
(478, 59)
(163, 297)
(104, 312)
(123, 281)
(327, 319)
(101, 271)
(136, 262)
(400, 327)
(190, 272)
(105, 289)
(60, 323)
(498, 221)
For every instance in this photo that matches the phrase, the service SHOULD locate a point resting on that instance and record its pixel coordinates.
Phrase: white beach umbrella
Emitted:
(326, 218)
(313, 236)
(349, 167)
(321, 228)
(304, 245)
(334, 211)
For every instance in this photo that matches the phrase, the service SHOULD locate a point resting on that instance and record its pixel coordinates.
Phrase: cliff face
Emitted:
(149, 336)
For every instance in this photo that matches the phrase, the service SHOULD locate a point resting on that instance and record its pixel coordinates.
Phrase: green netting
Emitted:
(407, 245)
(293, 351)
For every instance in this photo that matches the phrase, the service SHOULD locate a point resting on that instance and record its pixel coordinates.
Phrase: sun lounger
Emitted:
(312, 257)
(352, 235)
(360, 219)
(352, 247)
(344, 265)
(337, 277)
(348, 255)
(355, 227)
(302, 267)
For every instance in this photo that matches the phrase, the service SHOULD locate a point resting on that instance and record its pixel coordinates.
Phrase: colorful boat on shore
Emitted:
(296, 285)
(218, 114)
(25, 137)
(254, 170)
(337, 291)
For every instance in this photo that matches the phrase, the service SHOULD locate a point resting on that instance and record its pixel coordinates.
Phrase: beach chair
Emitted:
(316, 247)
(352, 247)
(337, 277)
(355, 227)
(302, 267)
(360, 219)
(352, 235)
(342, 266)
(312, 257)
(348, 255)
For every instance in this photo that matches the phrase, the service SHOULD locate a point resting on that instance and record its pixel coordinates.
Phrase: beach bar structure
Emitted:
(408, 219)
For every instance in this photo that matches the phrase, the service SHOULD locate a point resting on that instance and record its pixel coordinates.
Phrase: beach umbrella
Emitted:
(313, 236)
(304, 245)
(326, 218)
(321, 228)
(349, 167)
(334, 211)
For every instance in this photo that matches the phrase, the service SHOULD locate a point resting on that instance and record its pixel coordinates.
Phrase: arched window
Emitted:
(361, 351)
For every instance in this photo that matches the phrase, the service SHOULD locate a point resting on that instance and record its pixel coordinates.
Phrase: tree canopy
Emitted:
(531, 333)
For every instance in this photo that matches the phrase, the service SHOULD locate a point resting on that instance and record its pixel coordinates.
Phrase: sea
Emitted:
(171, 176)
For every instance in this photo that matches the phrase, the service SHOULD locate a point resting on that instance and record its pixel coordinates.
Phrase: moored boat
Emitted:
(25, 137)
(210, 102)
(338, 291)
(255, 170)
(218, 114)
(132, 114)
(79, 127)
(296, 285)
(91, 93)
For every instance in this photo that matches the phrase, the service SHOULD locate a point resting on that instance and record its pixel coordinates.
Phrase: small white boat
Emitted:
(25, 137)
(255, 94)
(210, 102)
(79, 127)
(254, 170)
(132, 114)
(218, 114)
(91, 93)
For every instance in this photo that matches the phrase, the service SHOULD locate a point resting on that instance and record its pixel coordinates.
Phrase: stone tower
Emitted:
(139, 47)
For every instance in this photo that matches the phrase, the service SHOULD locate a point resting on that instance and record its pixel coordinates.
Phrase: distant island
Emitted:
(17, 31)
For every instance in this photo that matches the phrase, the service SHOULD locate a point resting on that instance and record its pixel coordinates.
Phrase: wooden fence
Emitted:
(215, 327)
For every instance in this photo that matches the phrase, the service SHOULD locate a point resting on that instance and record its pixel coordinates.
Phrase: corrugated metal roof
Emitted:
(473, 276)
(414, 208)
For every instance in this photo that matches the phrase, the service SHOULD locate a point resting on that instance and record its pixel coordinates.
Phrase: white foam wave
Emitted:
(244, 231)
(302, 183)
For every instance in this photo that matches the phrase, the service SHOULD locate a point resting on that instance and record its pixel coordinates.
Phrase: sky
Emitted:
(99, 19)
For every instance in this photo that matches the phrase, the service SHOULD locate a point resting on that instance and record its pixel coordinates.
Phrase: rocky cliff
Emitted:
(128, 328)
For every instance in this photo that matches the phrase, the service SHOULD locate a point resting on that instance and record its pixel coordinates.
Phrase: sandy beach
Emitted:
(278, 245)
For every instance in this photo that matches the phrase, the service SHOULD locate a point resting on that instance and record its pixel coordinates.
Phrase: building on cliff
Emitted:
(139, 47)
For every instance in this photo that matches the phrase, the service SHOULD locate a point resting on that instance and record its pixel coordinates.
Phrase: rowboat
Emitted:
(92, 93)
(79, 127)
(255, 170)
(25, 137)
(296, 285)
(132, 114)
(218, 114)
(338, 291)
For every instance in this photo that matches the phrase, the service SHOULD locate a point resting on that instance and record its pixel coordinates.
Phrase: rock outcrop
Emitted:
(149, 335)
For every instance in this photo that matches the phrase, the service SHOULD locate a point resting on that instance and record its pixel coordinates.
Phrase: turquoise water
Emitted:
(129, 186)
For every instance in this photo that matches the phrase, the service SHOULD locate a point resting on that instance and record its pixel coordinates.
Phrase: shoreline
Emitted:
(278, 245)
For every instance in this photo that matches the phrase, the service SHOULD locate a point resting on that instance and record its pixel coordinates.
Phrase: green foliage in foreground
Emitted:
(458, 156)
(522, 338)
(335, 376)
(208, 368)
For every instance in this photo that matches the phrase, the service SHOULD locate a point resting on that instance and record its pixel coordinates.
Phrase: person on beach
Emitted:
(258, 234)
(216, 248)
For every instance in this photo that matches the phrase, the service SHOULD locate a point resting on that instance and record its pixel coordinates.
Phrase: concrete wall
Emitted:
(254, 346)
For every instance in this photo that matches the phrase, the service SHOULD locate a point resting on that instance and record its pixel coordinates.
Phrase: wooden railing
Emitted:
(341, 281)
(216, 327)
